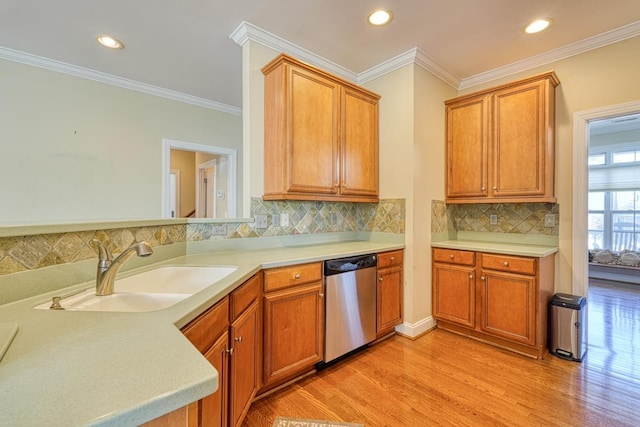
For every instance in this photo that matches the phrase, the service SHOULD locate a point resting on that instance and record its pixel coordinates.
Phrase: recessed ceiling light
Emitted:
(538, 25)
(379, 17)
(110, 42)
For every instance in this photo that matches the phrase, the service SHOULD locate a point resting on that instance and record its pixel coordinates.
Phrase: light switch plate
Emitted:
(493, 219)
(275, 220)
(549, 220)
(261, 221)
(284, 220)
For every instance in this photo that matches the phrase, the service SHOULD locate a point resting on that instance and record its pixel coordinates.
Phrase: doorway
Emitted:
(579, 245)
(187, 192)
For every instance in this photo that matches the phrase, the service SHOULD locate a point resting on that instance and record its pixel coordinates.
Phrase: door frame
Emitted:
(581, 119)
(229, 153)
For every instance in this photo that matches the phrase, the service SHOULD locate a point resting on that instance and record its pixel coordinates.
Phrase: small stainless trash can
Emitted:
(568, 326)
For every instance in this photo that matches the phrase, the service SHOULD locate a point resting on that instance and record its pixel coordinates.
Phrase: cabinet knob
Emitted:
(392, 258)
(238, 339)
(296, 276)
(380, 278)
(451, 256)
(495, 188)
(481, 277)
(230, 351)
(482, 188)
(506, 263)
(471, 276)
(321, 295)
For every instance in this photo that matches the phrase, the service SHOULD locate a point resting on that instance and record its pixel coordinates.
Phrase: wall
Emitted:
(80, 150)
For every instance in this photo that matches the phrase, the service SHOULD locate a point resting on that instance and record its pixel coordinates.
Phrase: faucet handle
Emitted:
(103, 253)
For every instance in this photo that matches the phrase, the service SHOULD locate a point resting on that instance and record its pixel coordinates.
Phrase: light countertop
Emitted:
(72, 368)
(537, 251)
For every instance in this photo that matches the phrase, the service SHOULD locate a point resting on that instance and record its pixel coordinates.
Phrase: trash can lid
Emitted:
(570, 301)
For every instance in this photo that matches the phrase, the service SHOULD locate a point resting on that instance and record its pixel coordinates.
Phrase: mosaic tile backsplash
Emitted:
(23, 253)
(516, 218)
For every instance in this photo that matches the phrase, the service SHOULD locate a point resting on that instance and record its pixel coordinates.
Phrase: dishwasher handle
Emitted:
(343, 265)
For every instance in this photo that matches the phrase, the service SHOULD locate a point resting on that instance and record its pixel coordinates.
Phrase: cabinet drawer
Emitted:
(509, 263)
(204, 330)
(389, 259)
(453, 256)
(244, 296)
(284, 277)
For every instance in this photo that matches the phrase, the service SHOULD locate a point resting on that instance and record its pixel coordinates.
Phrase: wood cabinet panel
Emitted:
(454, 256)
(389, 299)
(454, 294)
(286, 277)
(293, 329)
(467, 147)
(213, 408)
(242, 297)
(508, 263)
(359, 156)
(508, 306)
(500, 143)
(244, 363)
(205, 329)
(389, 259)
(313, 133)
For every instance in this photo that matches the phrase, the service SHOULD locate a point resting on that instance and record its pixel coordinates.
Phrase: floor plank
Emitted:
(445, 379)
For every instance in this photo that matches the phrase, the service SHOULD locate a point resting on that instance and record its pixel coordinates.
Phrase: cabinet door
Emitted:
(244, 369)
(467, 142)
(213, 408)
(293, 331)
(519, 141)
(389, 299)
(312, 135)
(508, 306)
(454, 294)
(359, 144)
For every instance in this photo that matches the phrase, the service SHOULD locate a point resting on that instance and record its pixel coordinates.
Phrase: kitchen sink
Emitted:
(178, 279)
(150, 290)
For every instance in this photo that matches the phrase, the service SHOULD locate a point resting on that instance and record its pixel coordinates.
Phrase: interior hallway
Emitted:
(445, 379)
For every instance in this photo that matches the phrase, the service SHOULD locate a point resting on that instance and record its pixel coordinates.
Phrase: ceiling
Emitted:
(185, 46)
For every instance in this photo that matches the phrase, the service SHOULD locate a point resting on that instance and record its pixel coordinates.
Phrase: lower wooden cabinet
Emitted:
(293, 322)
(389, 292)
(244, 366)
(228, 335)
(500, 299)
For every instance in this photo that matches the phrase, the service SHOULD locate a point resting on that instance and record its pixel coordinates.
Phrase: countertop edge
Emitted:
(497, 247)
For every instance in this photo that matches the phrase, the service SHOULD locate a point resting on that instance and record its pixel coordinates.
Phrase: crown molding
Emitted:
(248, 32)
(412, 56)
(582, 46)
(86, 73)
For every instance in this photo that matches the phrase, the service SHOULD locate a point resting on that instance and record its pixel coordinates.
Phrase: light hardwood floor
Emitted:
(445, 379)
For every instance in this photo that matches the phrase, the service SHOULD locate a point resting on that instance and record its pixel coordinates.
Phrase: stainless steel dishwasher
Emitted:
(350, 298)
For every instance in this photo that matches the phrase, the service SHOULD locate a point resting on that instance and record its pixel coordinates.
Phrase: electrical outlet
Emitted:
(549, 220)
(493, 219)
(220, 230)
(333, 220)
(275, 220)
(261, 221)
(284, 220)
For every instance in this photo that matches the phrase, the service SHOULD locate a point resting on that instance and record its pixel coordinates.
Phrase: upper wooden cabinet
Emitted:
(500, 143)
(321, 135)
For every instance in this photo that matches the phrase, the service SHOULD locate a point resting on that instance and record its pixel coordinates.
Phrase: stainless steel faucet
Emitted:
(109, 267)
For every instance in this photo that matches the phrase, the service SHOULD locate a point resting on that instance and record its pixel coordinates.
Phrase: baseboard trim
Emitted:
(414, 330)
